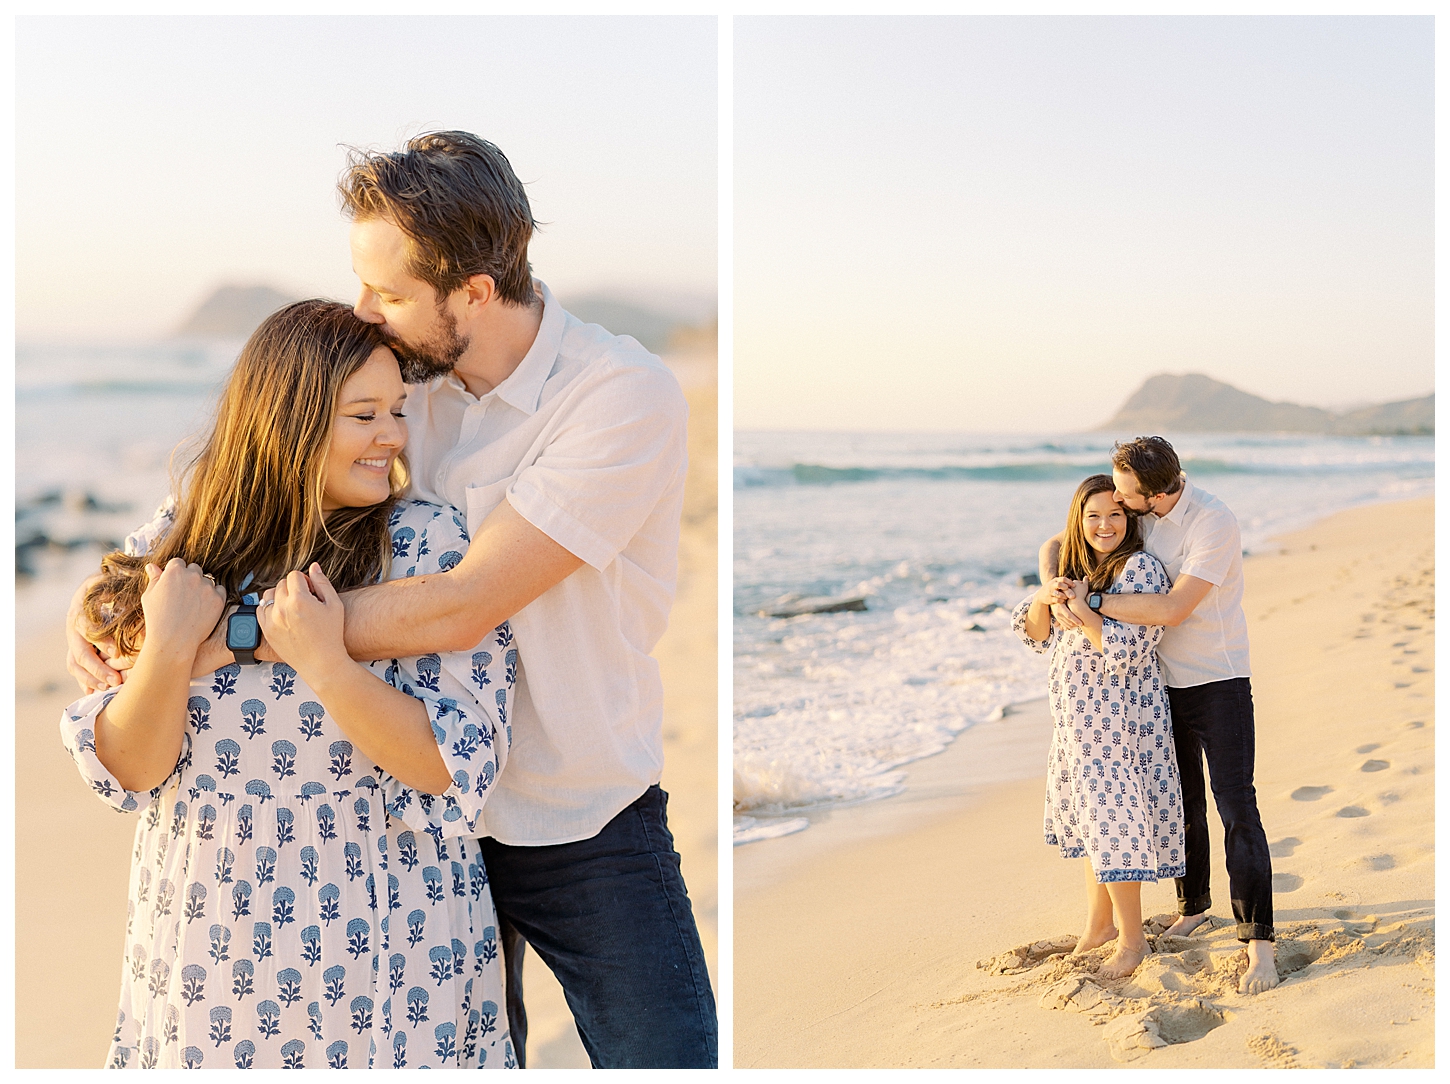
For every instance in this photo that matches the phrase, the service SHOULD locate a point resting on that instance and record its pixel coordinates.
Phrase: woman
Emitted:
(305, 891)
(1113, 796)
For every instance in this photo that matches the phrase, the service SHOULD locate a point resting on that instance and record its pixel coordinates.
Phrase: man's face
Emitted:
(1126, 492)
(415, 321)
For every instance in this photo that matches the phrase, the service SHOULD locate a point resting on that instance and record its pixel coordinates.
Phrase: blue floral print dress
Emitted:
(294, 906)
(1112, 779)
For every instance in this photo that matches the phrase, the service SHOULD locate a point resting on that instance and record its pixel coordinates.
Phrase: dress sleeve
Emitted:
(470, 722)
(1019, 626)
(468, 694)
(143, 539)
(78, 733)
(1127, 647)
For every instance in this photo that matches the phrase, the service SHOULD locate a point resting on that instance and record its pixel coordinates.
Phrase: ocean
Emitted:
(95, 429)
(936, 531)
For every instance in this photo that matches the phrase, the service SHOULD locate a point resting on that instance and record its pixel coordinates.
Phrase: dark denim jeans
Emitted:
(611, 918)
(1216, 722)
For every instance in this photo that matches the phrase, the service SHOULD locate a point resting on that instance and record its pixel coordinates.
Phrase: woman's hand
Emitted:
(1058, 589)
(182, 605)
(1077, 601)
(302, 618)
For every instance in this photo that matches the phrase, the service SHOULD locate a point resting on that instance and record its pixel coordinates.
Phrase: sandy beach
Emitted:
(926, 930)
(72, 853)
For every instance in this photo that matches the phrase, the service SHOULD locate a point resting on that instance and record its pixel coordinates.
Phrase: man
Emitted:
(1205, 658)
(564, 447)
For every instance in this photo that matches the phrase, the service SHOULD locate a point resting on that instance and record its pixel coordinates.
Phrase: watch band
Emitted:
(1095, 601)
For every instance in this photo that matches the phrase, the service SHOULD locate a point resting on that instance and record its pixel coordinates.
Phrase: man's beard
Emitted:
(436, 356)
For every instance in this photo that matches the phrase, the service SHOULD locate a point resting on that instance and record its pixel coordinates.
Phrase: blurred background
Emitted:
(174, 184)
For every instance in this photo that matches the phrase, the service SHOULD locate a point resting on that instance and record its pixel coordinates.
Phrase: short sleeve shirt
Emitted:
(1200, 538)
(586, 439)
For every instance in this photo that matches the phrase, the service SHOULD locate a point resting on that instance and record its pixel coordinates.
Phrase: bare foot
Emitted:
(1262, 974)
(1185, 925)
(1125, 961)
(1091, 939)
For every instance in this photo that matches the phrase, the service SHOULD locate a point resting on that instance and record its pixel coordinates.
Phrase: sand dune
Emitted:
(936, 935)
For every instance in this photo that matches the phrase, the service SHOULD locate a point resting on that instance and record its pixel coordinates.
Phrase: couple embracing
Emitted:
(1141, 606)
(339, 862)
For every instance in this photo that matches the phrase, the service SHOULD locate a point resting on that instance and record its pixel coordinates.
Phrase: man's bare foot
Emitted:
(1262, 974)
(1185, 925)
(1091, 939)
(1125, 961)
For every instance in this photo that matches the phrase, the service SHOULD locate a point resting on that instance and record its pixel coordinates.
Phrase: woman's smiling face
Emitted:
(1104, 523)
(367, 434)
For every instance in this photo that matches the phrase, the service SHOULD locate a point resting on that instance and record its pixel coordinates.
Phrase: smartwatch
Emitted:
(244, 635)
(1094, 601)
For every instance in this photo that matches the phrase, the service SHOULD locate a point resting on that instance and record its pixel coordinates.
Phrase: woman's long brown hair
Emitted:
(1079, 560)
(252, 497)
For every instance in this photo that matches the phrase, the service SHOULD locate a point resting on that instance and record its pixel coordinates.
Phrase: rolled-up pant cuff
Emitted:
(1195, 905)
(1254, 931)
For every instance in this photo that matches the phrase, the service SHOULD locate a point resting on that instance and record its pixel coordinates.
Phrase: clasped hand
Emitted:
(182, 606)
(1064, 596)
(302, 618)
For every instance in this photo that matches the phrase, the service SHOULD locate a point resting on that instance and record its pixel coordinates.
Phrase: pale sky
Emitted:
(159, 156)
(1007, 224)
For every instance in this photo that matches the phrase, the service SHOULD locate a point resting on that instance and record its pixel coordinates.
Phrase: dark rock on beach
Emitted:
(817, 605)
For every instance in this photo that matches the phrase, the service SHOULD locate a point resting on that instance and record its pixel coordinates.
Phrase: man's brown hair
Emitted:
(457, 200)
(1152, 461)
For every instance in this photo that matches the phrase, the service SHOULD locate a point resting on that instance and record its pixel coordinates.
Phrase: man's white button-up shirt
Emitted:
(586, 439)
(1200, 538)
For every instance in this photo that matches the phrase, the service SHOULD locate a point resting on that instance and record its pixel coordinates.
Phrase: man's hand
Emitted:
(83, 662)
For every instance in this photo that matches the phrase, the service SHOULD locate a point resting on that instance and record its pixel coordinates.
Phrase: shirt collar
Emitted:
(525, 384)
(1180, 509)
(522, 388)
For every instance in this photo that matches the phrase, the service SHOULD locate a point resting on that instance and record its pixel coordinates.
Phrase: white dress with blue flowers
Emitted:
(1112, 779)
(292, 905)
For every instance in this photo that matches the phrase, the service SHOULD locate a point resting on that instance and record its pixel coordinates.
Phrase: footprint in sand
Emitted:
(1287, 882)
(1380, 862)
(1310, 794)
(1374, 765)
(1416, 725)
(1370, 748)
(1284, 848)
(1275, 1052)
(1353, 811)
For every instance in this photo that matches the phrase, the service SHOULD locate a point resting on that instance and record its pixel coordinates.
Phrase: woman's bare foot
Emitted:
(1185, 925)
(1262, 974)
(1091, 939)
(1125, 961)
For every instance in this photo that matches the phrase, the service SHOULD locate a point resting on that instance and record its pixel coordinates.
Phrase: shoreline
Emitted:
(866, 938)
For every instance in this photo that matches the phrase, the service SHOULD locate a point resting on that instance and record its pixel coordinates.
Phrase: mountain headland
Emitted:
(1194, 403)
(233, 311)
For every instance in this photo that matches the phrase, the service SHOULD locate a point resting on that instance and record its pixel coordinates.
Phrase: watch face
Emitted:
(243, 631)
